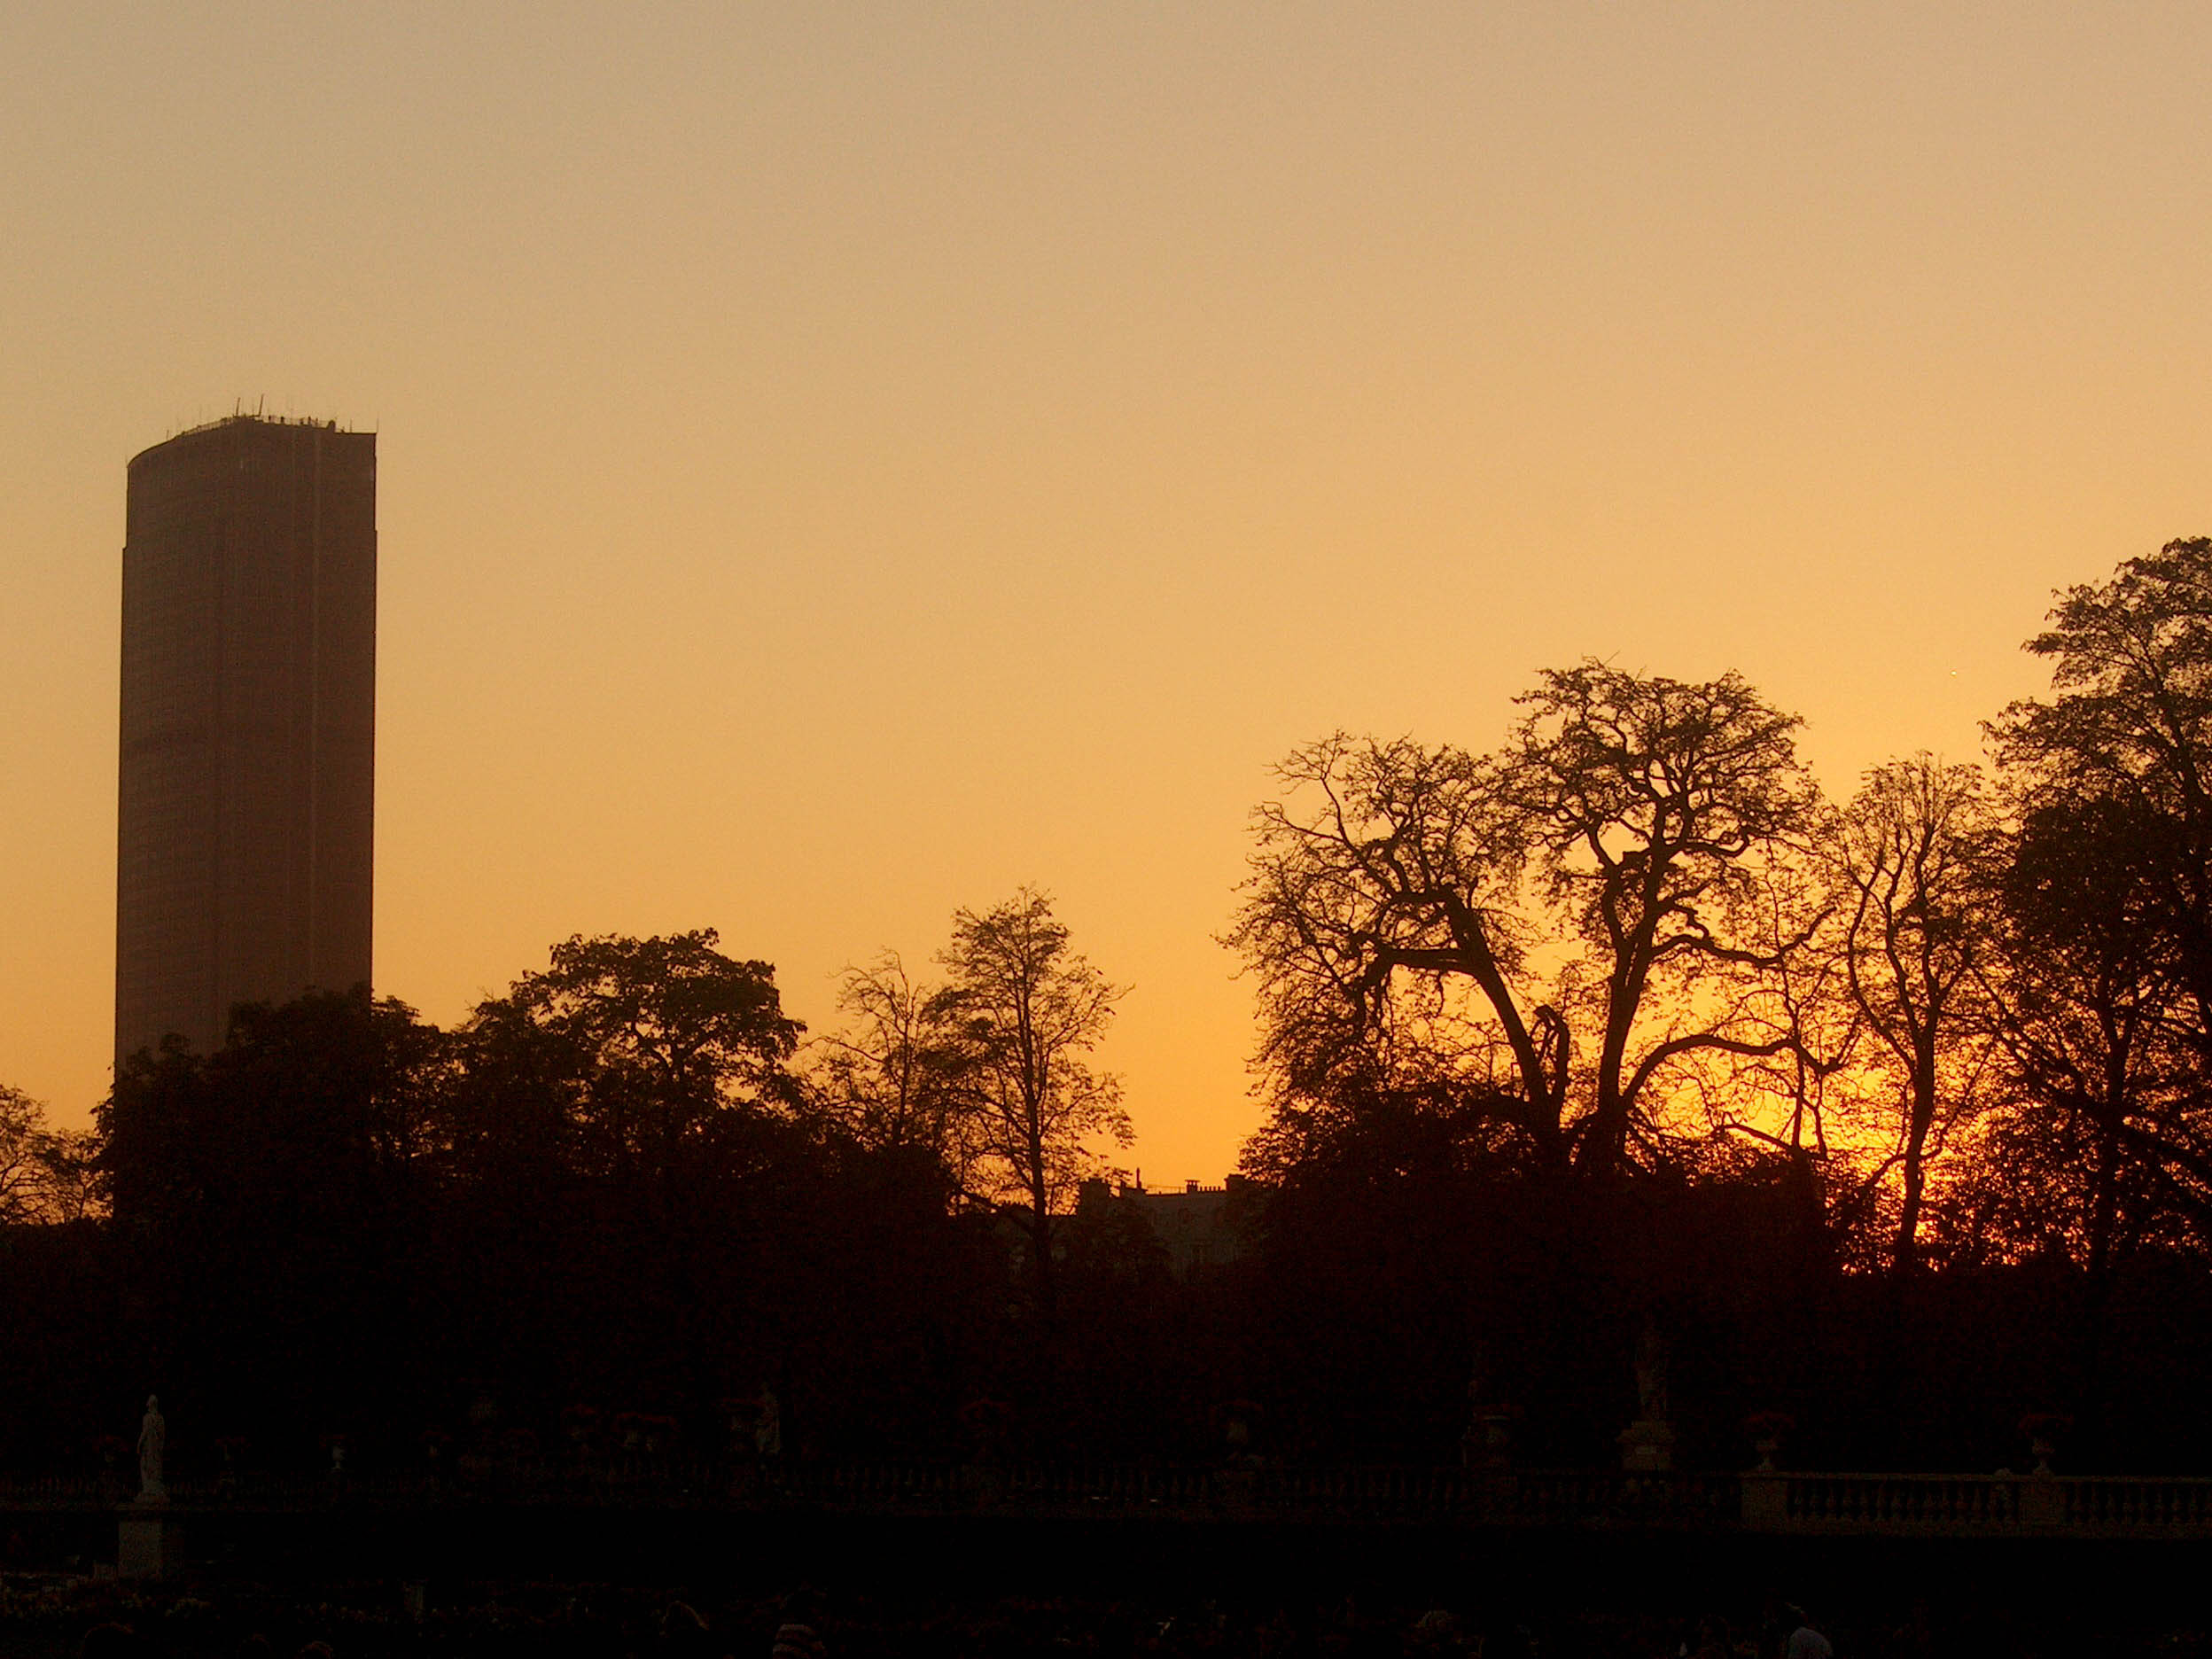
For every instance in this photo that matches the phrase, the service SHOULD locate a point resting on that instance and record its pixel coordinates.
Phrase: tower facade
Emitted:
(246, 813)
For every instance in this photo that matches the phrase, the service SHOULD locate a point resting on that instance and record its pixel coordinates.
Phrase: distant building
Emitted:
(246, 808)
(1201, 1226)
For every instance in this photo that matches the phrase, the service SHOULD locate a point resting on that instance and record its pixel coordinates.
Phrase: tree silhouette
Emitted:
(1021, 1010)
(650, 1043)
(2132, 724)
(2114, 873)
(271, 1199)
(1550, 931)
(46, 1175)
(1910, 864)
(892, 1078)
(1873, 1110)
(644, 1081)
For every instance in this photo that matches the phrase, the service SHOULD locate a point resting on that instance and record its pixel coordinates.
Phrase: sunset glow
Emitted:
(837, 466)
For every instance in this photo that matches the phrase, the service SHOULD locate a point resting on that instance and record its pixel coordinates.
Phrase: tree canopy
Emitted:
(1889, 1111)
(1553, 930)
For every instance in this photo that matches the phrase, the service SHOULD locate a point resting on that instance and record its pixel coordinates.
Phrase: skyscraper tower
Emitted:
(248, 803)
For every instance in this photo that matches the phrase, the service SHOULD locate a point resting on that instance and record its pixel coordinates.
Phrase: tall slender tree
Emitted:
(891, 1076)
(1021, 1010)
(1910, 861)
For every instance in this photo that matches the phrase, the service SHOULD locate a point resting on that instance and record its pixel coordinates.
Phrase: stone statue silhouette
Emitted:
(152, 1436)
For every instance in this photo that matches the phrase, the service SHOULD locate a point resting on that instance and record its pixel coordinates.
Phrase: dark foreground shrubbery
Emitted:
(54, 1615)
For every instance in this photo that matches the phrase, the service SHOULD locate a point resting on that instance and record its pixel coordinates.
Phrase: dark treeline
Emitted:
(1879, 1126)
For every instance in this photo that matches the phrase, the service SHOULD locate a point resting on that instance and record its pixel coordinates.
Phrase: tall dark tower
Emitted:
(249, 716)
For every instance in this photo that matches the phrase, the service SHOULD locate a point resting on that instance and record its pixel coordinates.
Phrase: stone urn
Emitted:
(2043, 1430)
(1766, 1429)
(1647, 1447)
(1486, 1442)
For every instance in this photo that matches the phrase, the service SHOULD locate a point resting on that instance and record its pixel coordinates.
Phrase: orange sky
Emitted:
(840, 463)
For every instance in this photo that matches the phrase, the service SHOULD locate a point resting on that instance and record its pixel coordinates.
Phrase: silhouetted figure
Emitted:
(1804, 1642)
(799, 1635)
(1435, 1632)
(684, 1633)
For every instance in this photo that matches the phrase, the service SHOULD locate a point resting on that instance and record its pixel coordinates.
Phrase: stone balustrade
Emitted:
(1976, 1506)
(1793, 1502)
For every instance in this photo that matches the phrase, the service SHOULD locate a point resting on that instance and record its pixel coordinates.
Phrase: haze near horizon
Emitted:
(838, 467)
